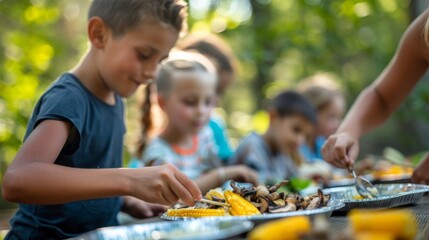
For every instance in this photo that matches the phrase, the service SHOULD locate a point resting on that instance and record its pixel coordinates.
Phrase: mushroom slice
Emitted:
(273, 196)
(264, 204)
(278, 185)
(261, 190)
(236, 188)
(326, 199)
(315, 203)
(287, 208)
(280, 202)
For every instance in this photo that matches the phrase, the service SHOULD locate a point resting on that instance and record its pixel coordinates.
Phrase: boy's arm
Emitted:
(378, 101)
(34, 178)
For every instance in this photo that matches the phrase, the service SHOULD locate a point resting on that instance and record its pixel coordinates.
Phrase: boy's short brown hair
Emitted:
(122, 16)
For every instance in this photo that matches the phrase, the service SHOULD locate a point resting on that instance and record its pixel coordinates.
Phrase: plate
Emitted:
(196, 229)
(327, 210)
(391, 195)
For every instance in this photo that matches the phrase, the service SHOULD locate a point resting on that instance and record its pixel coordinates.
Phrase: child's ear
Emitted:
(97, 32)
(161, 101)
(273, 114)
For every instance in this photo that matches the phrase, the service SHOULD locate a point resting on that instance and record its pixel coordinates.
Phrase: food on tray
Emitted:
(399, 224)
(392, 171)
(196, 212)
(286, 228)
(251, 201)
(364, 225)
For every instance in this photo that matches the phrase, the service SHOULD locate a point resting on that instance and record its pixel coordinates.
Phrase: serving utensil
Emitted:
(363, 186)
(213, 202)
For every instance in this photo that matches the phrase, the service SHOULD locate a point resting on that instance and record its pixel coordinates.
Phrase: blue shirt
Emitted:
(221, 139)
(313, 155)
(254, 152)
(99, 129)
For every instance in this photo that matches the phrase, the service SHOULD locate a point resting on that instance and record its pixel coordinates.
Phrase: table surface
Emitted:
(339, 222)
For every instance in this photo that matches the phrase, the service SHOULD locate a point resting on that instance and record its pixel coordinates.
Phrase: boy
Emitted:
(66, 175)
(291, 119)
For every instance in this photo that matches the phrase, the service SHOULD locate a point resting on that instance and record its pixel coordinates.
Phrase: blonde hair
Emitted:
(178, 61)
(319, 90)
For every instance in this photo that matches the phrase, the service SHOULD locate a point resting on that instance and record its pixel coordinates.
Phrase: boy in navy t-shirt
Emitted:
(67, 175)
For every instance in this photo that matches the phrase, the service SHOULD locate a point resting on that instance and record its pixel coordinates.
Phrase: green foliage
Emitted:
(32, 43)
(278, 43)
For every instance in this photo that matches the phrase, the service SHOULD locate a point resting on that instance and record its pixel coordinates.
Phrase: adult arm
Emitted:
(34, 178)
(378, 101)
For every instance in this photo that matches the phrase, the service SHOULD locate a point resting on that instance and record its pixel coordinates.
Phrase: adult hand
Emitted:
(340, 150)
(421, 173)
(164, 185)
(140, 209)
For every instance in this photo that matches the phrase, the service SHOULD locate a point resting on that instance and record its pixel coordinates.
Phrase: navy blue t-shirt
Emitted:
(97, 143)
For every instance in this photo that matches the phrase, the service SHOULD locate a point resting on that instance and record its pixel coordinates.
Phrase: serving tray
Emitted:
(391, 195)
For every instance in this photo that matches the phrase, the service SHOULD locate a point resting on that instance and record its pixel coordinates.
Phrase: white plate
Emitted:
(196, 229)
(327, 210)
(391, 195)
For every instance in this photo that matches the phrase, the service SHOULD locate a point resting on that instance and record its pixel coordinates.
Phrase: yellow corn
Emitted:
(374, 236)
(239, 205)
(400, 223)
(215, 193)
(291, 228)
(195, 213)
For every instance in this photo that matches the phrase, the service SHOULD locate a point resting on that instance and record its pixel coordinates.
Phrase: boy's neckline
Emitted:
(77, 79)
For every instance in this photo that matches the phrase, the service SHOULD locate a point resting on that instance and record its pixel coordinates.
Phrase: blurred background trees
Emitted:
(278, 43)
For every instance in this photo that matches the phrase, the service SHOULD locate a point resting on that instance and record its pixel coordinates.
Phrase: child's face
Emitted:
(131, 60)
(190, 101)
(329, 118)
(290, 131)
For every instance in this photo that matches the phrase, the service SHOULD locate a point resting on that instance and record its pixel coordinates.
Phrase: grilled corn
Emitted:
(195, 213)
(239, 205)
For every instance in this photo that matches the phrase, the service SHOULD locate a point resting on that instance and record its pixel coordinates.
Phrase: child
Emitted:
(378, 101)
(67, 175)
(291, 118)
(220, 54)
(186, 91)
(330, 106)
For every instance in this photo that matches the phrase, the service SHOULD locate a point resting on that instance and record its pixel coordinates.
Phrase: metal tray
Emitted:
(196, 229)
(257, 219)
(391, 195)
(346, 181)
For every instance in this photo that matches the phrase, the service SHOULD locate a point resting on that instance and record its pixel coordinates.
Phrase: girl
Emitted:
(186, 87)
(330, 106)
(220, 54)
(291, 119)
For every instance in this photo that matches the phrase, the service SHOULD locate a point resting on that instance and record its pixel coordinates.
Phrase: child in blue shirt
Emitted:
(67, 177)
(291, 118)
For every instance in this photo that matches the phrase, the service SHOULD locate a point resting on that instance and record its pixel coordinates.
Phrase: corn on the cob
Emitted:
(239, 205)
(195, 213)
(400, 223)
(214, 193)
(287, 228)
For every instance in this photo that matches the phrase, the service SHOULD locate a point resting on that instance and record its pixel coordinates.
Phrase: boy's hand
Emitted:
(140, 209)
(165, 185)
(340, 150)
